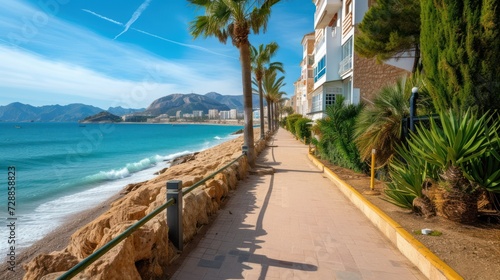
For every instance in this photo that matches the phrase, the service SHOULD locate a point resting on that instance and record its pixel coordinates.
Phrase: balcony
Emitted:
(345, 65)
(325, 10)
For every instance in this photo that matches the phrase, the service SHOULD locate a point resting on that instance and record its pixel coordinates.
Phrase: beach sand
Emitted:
(56, 240)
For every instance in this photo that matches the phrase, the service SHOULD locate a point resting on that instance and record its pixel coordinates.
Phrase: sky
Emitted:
(128, 53)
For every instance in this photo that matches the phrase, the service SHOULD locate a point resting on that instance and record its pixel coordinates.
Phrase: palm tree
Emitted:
(271, 86)
(260, 63)
(236, 19)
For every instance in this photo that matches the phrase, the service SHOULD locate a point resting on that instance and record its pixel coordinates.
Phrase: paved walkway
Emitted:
(294, 224)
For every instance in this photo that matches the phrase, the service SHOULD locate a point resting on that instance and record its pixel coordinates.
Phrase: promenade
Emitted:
(294, 224)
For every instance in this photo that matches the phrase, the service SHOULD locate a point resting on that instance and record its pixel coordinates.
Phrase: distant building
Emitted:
(225, 115)
(233, 114)
(197, 114)
(213, 114)
(256, 114)
(178, 114)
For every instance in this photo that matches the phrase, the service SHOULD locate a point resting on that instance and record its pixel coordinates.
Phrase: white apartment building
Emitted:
(337, 69)
(225, 115)
(197, 114)
(233, 114)
(305, 84)
(213, 114)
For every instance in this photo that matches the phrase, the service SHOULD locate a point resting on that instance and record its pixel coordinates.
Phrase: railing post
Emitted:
(174, 214)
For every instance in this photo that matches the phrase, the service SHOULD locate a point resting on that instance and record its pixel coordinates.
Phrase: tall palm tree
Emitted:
(271, 86)
(260, 63)
(236, 19)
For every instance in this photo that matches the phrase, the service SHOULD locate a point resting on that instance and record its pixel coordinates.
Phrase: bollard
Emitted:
(372, 190)
(372, 177)
(174, 214)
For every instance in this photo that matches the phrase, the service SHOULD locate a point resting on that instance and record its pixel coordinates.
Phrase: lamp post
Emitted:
(413, 107)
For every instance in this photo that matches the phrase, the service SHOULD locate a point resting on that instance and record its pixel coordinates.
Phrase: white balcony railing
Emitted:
(345, 65)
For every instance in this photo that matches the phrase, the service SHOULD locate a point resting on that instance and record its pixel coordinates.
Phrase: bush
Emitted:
(408, 174)
(337, 136)
(290, 122)
(303, 129)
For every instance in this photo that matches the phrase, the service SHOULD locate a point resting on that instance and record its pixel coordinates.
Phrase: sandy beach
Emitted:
(56, 240)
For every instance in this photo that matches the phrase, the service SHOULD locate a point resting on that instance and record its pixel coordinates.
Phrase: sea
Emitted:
(55, 170)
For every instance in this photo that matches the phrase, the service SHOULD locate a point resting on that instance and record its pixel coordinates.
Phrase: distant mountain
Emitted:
(120, 111)
(18, 112)
(170, 104)
(186, 103)
(234, 101)
(102, 117)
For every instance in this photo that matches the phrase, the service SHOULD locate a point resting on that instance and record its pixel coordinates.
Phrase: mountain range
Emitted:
(170, 104)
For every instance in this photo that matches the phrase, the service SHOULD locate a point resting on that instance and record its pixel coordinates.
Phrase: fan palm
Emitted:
(336, 143)
(260, 59)
(236, 19)
(380, 125)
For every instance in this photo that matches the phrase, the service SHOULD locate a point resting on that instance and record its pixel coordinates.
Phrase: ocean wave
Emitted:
(131, 168)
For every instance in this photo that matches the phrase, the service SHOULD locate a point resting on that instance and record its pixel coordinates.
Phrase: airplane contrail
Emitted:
(134, 17)
(156, 36)
(102, 17)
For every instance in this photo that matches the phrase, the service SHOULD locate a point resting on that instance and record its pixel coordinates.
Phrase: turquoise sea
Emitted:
(64, 168)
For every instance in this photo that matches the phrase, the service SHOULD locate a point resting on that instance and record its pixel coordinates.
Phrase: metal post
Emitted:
(413, 107)
(174, 214)
(372, 177)
(372, 190)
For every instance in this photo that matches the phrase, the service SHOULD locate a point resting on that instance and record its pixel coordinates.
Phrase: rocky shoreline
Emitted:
(147, 252)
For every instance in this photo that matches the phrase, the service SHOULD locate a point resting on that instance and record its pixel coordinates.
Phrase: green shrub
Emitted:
(290, 122)
(337, 136)
(303, 129)
(408, 174)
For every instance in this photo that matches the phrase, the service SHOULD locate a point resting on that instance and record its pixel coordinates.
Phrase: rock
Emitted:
(49, 263)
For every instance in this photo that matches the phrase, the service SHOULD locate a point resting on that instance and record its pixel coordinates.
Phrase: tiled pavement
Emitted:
(294, 224)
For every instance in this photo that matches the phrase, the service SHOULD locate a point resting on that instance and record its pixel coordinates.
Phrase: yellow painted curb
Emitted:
(426, 261)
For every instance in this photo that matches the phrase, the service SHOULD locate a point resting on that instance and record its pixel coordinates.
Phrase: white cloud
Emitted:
(68, 60)
(24, 72)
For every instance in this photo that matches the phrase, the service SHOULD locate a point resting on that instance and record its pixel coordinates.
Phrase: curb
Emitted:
(426, 261)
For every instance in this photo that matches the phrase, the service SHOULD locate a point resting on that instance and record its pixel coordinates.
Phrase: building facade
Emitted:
(336, 68)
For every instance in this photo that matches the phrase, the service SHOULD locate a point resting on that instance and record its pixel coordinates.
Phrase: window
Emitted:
(317, 102)
(320, 69)
(347, 48)
(329, 99)
(346, 63)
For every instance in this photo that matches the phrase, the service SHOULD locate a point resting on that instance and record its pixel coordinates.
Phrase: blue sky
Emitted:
(127, 53)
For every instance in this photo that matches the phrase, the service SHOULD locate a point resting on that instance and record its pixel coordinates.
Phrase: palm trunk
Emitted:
(247, 101)
(269, 123)
(261, 104)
